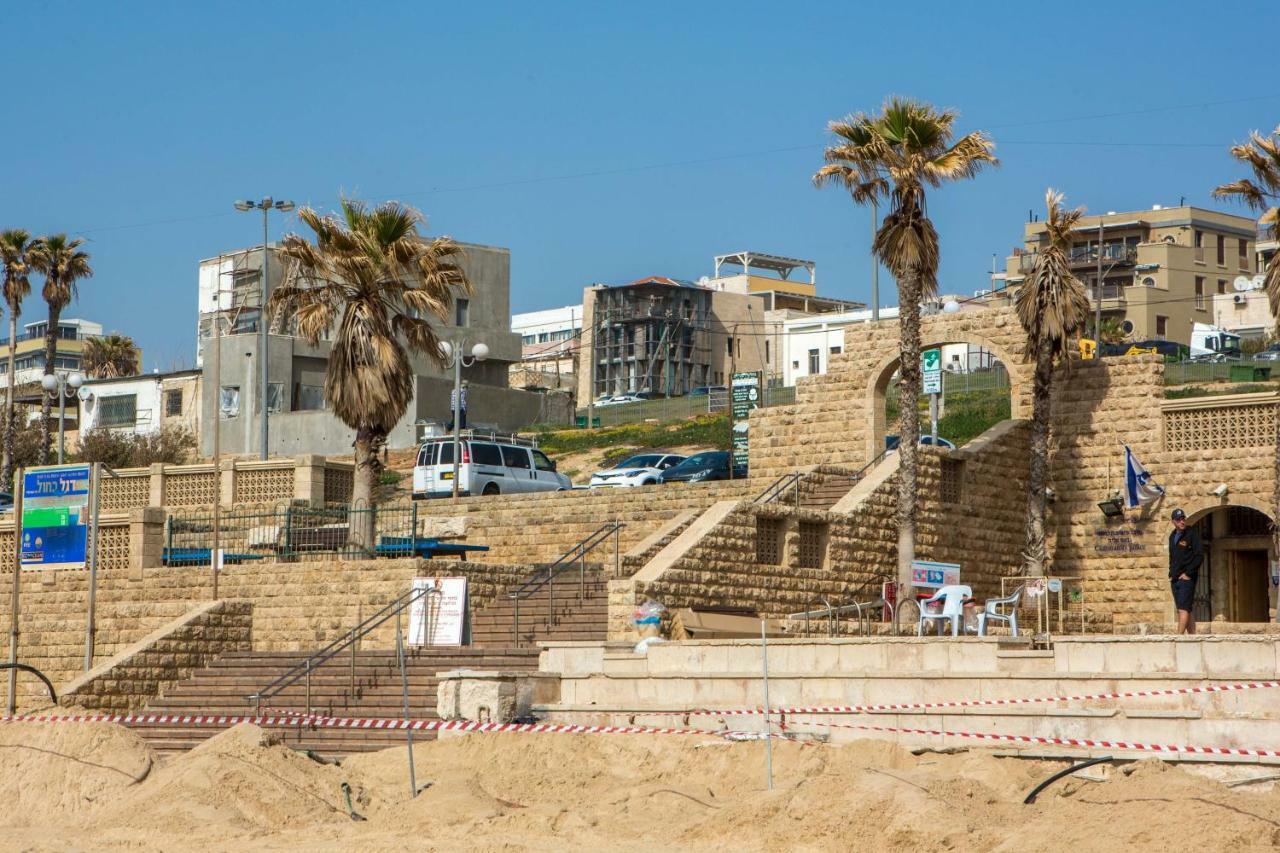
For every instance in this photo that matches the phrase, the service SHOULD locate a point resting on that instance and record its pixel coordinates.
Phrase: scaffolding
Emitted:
(652, 335)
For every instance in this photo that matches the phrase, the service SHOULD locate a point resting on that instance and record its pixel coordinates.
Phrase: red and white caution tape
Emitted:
(987, 703)
(1081, 743)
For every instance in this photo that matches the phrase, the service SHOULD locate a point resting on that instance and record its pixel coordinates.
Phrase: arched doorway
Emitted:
(1235, 580)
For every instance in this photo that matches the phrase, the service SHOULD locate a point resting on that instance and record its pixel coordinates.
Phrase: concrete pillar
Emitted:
(157, 485)
(146, 539)
(308, 479)
(227, 481)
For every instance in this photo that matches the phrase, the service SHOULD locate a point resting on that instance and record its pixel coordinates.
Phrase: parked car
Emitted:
(641, 470)
(704, 390)
(608, 400)
(6, 502)
(487, 465)
(1267, 355)
(891, 442)
(701, 467)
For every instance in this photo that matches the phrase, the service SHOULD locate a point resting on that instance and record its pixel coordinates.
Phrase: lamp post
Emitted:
(455, 357)
(58, 383)
(267, 205)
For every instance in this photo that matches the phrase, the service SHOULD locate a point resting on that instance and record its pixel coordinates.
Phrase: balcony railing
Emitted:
(1114, 253)
(1110, 292)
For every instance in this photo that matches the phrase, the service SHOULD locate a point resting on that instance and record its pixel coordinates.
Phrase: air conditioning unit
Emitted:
(1239, 299)
(1126, 327)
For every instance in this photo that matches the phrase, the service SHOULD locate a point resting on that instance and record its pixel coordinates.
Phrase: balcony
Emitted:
(1115, 253)
(1110, 293)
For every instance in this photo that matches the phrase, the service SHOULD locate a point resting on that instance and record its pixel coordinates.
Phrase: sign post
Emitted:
(744, 396)
(13, 607)
(931, 384)
(55, 517)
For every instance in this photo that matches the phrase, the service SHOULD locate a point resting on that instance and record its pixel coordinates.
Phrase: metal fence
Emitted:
(1236, 370)
(300, 533)
(677, 408)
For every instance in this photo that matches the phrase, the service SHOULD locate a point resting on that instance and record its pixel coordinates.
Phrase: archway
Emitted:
(1235, 579)
(969, 360)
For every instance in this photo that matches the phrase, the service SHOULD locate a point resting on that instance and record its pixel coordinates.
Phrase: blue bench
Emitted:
(418, 546)
(201, 557)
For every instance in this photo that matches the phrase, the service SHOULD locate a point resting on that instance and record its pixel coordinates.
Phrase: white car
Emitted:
(489, 465)
(642, 470)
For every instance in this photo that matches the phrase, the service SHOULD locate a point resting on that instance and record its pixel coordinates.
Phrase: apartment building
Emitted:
(144, 404)
(30, 353)
(1159, 269)
(549, 342)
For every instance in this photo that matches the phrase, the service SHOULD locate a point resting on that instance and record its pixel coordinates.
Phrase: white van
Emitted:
(489, 464)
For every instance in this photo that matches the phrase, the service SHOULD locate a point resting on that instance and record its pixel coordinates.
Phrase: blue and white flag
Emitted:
(1139, 488)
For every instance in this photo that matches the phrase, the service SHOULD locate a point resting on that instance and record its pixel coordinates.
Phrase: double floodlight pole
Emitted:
(454, 356)
(266, 205)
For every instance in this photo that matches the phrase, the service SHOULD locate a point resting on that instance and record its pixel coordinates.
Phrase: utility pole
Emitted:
(875, 263)
(217, 428)
(733, 368)
(1097, 303)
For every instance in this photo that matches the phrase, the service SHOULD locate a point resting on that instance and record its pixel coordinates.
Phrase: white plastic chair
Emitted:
(952, 598)
(991, 610)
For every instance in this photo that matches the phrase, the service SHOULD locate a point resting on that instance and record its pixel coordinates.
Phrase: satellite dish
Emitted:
(1258, 281)
(1242, 282)
(85, 395)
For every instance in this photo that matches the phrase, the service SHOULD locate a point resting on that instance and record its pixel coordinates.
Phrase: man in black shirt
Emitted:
(1186, 553)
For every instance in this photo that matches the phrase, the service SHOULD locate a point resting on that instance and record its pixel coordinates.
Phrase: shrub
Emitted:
(115, 449)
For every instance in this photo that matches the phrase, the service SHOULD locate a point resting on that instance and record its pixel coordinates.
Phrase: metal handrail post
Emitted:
(582, 575)
(858, 609)
(404, 692)
(617, 549)
(308, 708)
(351, 691)
(516, 639)
(551, 598)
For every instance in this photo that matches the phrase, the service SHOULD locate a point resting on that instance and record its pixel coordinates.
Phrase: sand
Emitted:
(82, 787)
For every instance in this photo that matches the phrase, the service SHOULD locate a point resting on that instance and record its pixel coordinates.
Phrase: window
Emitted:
(951, 488)
(795, 365)
(173, 402)
(275, 396)
(1222, 285)
(541, 462)
(837, 350)
(1162, 327)
(1244, 254)
(118, 411)
(811, 544)
(1200, 247)
(515, 457)
(309, 398)
(769, 540)
(1199, 293)
(462, 311)
(729, 344)
(1222, 251)
(486, 454)
(229, 405)
(815, 362)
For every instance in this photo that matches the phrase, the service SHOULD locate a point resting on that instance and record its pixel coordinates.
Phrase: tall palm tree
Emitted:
(110, 356)
(370, 273)
(63, 264)
(1262, 193)
(899, 153)
(15, 244)
(1052, 306)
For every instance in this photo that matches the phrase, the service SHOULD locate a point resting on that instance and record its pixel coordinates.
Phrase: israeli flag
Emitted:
(1139, 488)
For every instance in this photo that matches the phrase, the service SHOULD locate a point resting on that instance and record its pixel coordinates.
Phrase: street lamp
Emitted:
(267, 205)
(455, 357)
(58, 383)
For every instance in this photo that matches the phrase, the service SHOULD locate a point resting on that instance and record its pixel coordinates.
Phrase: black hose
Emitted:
(53, 695)
(346, 792)
(1031, 798)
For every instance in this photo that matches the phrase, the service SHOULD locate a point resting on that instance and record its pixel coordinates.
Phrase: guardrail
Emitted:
(832, 614)
(577, 555)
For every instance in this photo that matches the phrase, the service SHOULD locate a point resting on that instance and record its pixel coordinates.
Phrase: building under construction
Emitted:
(651, 335)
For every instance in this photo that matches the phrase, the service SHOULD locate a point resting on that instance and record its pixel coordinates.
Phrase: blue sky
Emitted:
(599, 142)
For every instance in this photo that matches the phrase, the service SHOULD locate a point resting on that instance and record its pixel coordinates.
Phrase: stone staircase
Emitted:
(825, 494)
(561, 610)
(222, 688)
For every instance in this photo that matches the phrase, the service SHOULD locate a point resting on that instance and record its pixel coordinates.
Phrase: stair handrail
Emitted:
(567, 560)
(348, 639)
(779, 486)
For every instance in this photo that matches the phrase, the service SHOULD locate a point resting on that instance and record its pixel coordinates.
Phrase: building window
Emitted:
(1222, 285)
(1244, 254)
(173, 402)
(769, 541)
(815, 362)
(1222, 251)
(837, 350)
(275, 396)
(1162, 327)
(951, 487)
(811, 544)
(1200, 247)
(1199, 293)
(229, 404)
(118, 411)
(728, 347)
(310, 398)
(795, 365)
(462, 312)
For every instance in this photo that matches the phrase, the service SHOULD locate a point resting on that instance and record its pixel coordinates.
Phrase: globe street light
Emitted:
(267, 205)
(58, 383)
(455, 357)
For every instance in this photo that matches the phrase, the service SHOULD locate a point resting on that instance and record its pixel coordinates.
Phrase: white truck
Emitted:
(1212, 343)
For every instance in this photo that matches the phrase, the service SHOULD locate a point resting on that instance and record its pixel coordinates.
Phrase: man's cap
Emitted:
(1179, 515)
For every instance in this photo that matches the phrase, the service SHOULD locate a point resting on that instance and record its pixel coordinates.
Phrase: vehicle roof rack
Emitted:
(487, 435)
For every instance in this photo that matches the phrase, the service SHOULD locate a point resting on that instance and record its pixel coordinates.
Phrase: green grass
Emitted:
(707, 430)
(1215, 391)
(967, 415)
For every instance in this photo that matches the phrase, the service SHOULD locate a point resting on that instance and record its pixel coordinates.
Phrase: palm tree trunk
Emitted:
(46, 402)
(1035, 555)
(367, 467)
(10, 423)
(908, 424)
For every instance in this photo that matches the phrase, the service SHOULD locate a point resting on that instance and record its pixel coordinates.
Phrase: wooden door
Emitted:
(1248, 590)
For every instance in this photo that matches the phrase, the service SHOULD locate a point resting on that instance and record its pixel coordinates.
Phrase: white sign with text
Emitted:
(437, 618)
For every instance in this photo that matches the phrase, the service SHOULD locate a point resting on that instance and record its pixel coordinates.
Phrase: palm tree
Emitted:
(371, 274)
(63, 264)
(1052, 306)
(110, 356)
(1262, 193)
(897, 154)
(15, 244)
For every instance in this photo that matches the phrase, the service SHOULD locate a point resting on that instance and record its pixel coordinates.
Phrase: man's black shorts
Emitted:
(1184, 593)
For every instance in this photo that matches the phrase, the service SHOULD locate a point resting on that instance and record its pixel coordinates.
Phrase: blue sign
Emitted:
(55, 518)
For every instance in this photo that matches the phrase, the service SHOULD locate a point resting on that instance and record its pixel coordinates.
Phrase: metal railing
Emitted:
(832, 614)
(796, 480)
(575, 556)
(304, 670)
(677, 408)
(779, 487)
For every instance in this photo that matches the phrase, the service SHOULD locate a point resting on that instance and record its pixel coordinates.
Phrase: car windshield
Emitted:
(645, 460)
(700, 460)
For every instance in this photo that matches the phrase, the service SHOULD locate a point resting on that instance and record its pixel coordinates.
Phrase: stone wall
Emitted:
(168, 655)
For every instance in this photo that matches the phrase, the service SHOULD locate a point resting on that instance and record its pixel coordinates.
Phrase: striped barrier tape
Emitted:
(986, 703)
(1081, 743)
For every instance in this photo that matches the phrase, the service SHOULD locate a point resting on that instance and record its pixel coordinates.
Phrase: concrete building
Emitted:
(69, 351)
(669, 336)
(1161, 268)
(298, 415)
(549, 342)
(143, 405)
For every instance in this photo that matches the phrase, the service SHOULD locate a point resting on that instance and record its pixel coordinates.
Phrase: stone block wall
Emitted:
(128, 680)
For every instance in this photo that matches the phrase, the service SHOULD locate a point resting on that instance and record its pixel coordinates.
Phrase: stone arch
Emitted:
(1235, 578)
(937, 335)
